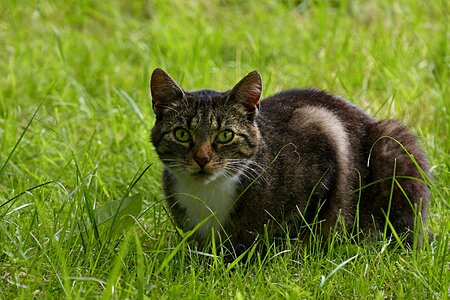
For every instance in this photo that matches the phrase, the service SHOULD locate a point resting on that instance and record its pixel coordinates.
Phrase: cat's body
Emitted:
(306, 158)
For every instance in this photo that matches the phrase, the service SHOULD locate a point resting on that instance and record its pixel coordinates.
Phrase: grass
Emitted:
(75, 114)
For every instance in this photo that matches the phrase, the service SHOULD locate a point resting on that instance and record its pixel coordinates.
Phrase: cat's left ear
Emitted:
(248, 91)
(164, 90)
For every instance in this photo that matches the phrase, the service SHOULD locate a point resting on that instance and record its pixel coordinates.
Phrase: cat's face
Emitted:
(205, 135)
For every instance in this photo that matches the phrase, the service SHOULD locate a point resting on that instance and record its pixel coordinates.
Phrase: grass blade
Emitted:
(25, 130)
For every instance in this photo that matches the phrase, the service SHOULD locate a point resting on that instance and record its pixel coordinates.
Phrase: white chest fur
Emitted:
(214, 200)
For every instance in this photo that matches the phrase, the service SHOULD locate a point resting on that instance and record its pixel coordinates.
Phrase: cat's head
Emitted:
(205, 135)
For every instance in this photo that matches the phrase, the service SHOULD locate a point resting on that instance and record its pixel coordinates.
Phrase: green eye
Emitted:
(182, 135)
(225, 136)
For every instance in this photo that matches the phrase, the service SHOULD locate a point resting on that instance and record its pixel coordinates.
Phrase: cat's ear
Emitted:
(248, 91)
(164, 90)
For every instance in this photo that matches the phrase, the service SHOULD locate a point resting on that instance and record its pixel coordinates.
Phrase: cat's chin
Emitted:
(200, 177)
(203, 177)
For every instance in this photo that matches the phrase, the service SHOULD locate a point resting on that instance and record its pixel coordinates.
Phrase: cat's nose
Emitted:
(202, 161)
(202, 154)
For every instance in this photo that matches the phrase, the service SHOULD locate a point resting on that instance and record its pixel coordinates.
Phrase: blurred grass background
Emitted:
(87, 63)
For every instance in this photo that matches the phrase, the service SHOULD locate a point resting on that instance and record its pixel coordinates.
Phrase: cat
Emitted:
(236, 167)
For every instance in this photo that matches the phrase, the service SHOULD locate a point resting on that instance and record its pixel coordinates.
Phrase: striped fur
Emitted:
(298, 156)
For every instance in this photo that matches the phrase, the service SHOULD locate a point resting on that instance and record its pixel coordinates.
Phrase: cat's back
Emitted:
(280, 108)
(327, 132)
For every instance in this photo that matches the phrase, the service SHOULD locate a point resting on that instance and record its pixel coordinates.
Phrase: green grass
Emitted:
(75, 114)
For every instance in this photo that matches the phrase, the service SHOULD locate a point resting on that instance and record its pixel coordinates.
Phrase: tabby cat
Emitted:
(237, 167)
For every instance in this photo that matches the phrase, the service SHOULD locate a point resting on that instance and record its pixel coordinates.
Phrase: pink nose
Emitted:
(202, 161)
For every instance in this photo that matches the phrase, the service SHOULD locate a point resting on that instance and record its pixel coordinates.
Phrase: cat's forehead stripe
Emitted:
(203, 120)
(193, 122)
(213, 121)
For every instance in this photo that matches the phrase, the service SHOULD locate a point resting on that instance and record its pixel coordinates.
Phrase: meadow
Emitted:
(77, 166)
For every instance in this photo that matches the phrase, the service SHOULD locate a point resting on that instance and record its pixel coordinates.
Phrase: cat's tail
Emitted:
(395, 188)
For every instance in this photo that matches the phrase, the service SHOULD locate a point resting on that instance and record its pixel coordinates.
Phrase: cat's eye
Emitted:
(225, 136)
(182, 135)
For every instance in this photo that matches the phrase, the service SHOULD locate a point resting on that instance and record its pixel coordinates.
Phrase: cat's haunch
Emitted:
(289, 165)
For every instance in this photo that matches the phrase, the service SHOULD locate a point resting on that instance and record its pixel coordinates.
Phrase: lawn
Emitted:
(75, 115)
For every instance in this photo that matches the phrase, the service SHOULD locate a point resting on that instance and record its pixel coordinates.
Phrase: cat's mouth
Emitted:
(202, 173)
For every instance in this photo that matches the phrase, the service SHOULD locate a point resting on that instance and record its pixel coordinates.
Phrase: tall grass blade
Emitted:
(5, 163)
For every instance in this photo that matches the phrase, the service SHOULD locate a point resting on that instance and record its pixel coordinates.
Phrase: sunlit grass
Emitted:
(75, 116)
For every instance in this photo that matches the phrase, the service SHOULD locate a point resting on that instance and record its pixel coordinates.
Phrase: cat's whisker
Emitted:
(247, 162)
(174, 165)
(226, 174)
(235, 170)
(246, 167)
(247, 172)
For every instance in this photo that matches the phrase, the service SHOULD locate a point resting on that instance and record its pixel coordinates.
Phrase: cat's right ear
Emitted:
(164, 90)
(248, 92)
